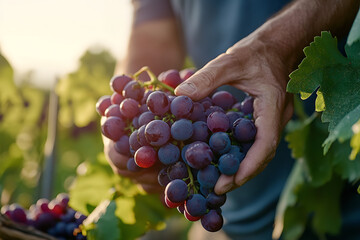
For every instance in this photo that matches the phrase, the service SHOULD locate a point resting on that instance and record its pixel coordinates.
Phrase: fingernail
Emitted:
(187, 88)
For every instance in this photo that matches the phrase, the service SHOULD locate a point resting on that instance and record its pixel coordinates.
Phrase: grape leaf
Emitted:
(336, 77)
(102, 222)
(354, 34)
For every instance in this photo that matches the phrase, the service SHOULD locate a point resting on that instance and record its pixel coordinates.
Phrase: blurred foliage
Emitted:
(23, 126)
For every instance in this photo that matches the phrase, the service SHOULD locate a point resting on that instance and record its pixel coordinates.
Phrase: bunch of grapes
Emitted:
(53, 217)
(195, 142)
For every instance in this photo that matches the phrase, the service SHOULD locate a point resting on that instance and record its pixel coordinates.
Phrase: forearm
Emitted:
(156, 44)
(296, 26)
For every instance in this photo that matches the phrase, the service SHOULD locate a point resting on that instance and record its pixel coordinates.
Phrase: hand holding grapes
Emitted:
(260, 71)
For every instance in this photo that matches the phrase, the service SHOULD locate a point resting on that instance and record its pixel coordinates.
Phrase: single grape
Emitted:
(117, 83)
(233, 116)
(178, 171)
(198, 113)
(122, 145)
(218, 122)
(116, 98)
(176, 191)
(158, 103)
(18, 213)
(212, 109)
(223, 99)
(133, 90)
(145, 157)
(141, 136)
(132, 166)
(129, 108)
(181, 129)
(237, 106)
(220, 143)
(215, 201)
(228, 164)
(145, 118)
(208, 176)
(171, 78)
(244, 130)
(186, 73)
(143, 108)
(200, 132)
(169, 154)
(133, 141)
(195, 205)
(43, 205)
(146, 95)
(181, 107)
(157, 133)
(102, 104)
(163, 177)
(113, 128)
(113, 110)
(247, 105)
(198, 155)
(212, 221)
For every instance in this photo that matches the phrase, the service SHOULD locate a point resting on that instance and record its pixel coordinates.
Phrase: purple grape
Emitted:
(181, 107)
(116, 98)
(145, 157)
(143, 108)
(186, 73)
(169, 154)
(198, 155)
(215, 201)
(247, 105)
(183, 152)
(133, 90)
(133, 141)
(223, 99)
(157, 133)
(181, 208)
(198, 113)
(129, 108)
(132, 166)
(204, 191)
(113, 128)
(171, 78)
(122, 145)
(235, 150)
(158, 103)
(220, 143)
(228, 164)
(79, 218)
(17, 213)
(212, 109)
(69, 216)
(113, 110)
(178, 171)
(43, 205)
(218, 122)
(208, 176)
(181, 129)
(195, 205)
(102, 104)
(45, 220)
(212, 221)
(163, 177)
(117, 83)
(135, 122)
(145, 118)
(176, 191)
(200, 132)
(237, 106)
(146, 95)
(244, 130)
(245, 146)
(141, 136)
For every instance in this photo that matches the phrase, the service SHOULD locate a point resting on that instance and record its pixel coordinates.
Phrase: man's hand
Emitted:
(260, 72)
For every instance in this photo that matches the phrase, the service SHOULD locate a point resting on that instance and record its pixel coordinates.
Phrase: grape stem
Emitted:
(154, 81)
(192, 183)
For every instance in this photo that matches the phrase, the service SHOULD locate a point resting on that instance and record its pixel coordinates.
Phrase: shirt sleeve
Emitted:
(148, 10)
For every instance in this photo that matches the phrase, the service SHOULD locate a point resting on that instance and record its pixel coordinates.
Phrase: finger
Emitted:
(224, 184)
(263, 149)
(117, 159)
(217, 72)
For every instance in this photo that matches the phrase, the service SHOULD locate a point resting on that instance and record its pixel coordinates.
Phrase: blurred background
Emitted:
(56, 60)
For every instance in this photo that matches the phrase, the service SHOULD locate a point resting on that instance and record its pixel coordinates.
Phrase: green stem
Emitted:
(192, 183)
(154, 81)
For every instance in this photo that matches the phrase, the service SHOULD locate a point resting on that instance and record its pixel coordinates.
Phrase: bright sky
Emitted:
(49, 36)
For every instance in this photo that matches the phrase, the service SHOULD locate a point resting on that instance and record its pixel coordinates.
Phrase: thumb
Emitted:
(217, 72)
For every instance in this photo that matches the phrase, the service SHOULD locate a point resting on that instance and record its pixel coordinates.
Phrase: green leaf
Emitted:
(355, 141)
(102, 222)
(338, 80)
(305, 141)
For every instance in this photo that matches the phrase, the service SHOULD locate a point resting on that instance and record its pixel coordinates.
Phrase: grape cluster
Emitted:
(54, 217)
(195, 142)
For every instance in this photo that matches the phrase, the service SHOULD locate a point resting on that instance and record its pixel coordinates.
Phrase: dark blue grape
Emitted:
(244, 130)
(181, 107)
(198, 113)
(215, 201)
(145, 118)
(228, 164)
(247, 105)
(208, 176)
(169, 154)
(178, 171)
(212, 221)
(181, 129)
(235, 150)
(176, 191)
(195, 205)
(163, 177)
(200, 132)
(220, 143)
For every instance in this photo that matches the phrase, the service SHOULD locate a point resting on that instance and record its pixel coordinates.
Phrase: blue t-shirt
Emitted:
(209, 28)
